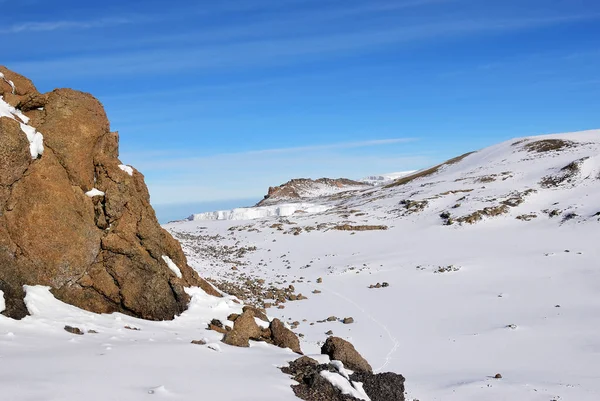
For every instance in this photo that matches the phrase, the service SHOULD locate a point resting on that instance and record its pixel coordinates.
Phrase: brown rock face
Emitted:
(341, 350)
(103, 254)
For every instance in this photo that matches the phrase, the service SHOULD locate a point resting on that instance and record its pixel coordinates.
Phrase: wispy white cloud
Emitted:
(154, 160)
(65, 25)
(277, 51)
(342, 145)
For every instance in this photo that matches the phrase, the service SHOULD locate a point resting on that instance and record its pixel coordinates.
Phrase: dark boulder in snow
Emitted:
(327, 382)
(284, 337)
(341, 350)
(77, 220)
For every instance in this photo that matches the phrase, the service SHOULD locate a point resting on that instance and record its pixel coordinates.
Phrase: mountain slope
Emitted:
(489, 264)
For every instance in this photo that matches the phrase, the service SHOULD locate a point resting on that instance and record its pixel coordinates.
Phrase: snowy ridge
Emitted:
(385, 178)
(251, 213)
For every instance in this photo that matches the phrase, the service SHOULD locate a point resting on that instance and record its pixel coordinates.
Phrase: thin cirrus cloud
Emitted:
(276, 51)
(47, 26)
(160, 160)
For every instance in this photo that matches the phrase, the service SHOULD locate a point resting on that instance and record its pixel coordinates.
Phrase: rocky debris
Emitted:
(349, 227)
(341, 350)
(314, 386)
(447, 269)
(103, 254)
(569, 216)
(348, 320)
(548, 145)
(199, 342)
(74, 330)
(332, 319)
(379, 285)
(413, 206)
(303, 188)
(526, 217)
(565, 175)
(478, 215)
(329, 332)
(320, 280)
(497, 376)
(246, 329)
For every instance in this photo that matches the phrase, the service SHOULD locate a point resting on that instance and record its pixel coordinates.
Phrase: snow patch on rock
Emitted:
(94, 192)
(345, 386)
(36, 139)
(172, 266)
(127, 169)
(11, 83)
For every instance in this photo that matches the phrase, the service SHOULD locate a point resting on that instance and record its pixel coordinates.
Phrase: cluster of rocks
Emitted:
(245, 329)
(77, 220)
(379, 285)
(313, 383)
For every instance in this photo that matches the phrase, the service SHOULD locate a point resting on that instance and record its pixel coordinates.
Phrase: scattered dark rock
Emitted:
(199, 342)
(498, 376)
(332, 319)
(329, 332)
(74, 330)
(349, 227)
(348, 320)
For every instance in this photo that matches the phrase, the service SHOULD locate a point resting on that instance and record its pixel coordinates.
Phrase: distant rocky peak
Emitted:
(306, 188)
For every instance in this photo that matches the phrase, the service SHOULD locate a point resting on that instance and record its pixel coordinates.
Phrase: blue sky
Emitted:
(215, 101)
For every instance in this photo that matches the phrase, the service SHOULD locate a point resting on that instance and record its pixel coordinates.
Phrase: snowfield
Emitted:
(491, 264)
(484, 265)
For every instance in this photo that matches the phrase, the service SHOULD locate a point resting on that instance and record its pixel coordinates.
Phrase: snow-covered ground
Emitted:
(514, 293)
(130, 359)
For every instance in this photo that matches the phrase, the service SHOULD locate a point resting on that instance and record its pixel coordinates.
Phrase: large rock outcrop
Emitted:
(102, 253)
